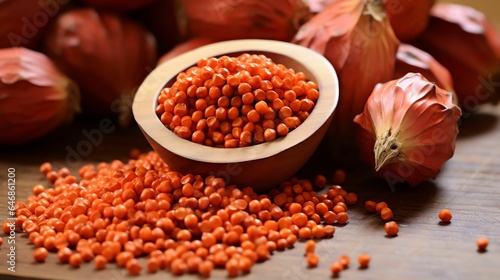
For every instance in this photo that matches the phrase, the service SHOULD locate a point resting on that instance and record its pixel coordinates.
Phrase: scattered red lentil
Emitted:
(75, 260)
(379, 206)
(6, 227)
(342, 218)
(100, 262)
(310, 246)
(339, 176)
(386, 213)
(312, 260)
(40, 254)
(370, 206)
(391, 228)
(64, 254)
(153, 264)
(482, 243)
(133, 267)
(320, 181)
(344, 261)
(336, 268)
(364, 260)
(351, 198)
(232, 267)
(445, 215)
(184, 223)
(205, 268)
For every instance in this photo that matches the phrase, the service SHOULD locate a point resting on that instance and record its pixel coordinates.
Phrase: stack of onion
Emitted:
(35, 98)
(107, 55)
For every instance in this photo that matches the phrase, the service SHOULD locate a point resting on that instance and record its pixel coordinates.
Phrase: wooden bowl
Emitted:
(261, 166)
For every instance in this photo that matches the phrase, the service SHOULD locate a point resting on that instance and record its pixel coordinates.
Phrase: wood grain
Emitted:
(469, 186)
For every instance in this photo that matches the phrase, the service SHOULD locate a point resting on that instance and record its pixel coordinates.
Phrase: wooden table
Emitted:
(469, 186)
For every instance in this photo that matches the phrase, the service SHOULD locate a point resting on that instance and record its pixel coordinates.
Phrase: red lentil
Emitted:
(232, 267)
(339, 176)
(153, 264)
(351, 198)
(370, 206)
(386, 213)
(344, 261)
(75, 260)
(40, 254)
(320, 181)
(391, 228)
(133, 267)
(312, 260)
(310, 246)
(364, 260)
(445, 215)
(64, 254)
(482, 243)
(336, 268)
(329, 230)
(100, 262)
(205, 268)
(379, 206)
(342, 218)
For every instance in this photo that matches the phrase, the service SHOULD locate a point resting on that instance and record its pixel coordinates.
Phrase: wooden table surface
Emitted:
(469, 185)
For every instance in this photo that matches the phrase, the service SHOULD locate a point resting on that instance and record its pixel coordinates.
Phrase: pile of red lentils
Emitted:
(119, 212)
(236, 101)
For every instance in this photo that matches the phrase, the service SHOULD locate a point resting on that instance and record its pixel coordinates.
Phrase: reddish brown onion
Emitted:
(407, 130)
(35, 98)
(24, 22)
(107, 55)
(463, 40)
(412, 59)
(238, 19)
(408, 18)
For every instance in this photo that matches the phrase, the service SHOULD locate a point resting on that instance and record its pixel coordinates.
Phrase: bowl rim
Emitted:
(145, 100)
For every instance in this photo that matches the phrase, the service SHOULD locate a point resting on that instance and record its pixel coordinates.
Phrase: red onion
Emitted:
(466, 43)
(356, 37)
(24, 22)
(245, 19)
(408, 18)
(35, 98)
(107, 55)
